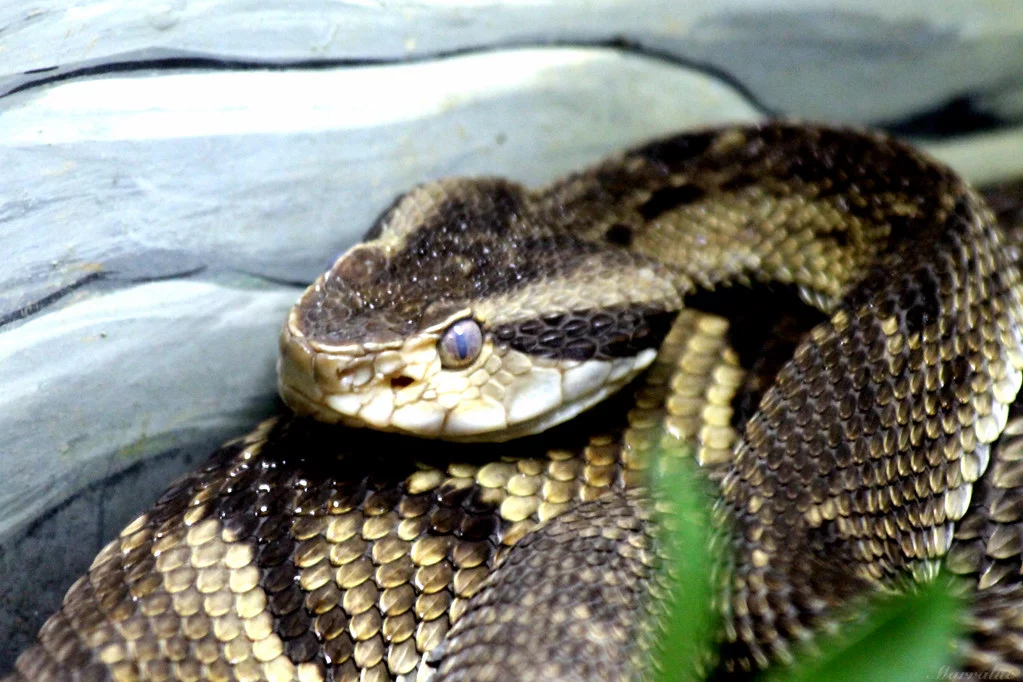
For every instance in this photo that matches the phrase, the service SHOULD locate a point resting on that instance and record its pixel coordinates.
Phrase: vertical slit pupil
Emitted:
(461, 344)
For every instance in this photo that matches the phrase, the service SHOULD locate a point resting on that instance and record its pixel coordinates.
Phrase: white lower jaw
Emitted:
(424, 418)
(552, 396)
(379, 411)
(544, 421)
(589, 386)
(347, 404)
(483, 418)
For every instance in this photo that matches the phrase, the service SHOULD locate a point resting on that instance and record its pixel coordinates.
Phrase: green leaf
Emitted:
(906, 637)
(690, 624)
(903, 638)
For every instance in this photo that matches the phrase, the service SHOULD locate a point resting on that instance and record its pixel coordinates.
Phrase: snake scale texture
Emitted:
(827, 320)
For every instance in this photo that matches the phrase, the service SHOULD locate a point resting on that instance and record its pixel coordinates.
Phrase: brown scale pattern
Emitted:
(902, 425)
(270, 564)
(600, 334)
(293, 555)
(987, 549)
(590, 615)
(458, 243)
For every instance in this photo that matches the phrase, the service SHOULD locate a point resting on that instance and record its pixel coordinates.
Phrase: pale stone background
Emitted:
(174, 171)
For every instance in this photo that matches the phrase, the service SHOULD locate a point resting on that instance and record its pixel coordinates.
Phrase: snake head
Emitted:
(467, 318)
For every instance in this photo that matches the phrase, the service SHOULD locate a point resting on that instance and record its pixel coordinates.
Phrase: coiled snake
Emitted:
(854, 439)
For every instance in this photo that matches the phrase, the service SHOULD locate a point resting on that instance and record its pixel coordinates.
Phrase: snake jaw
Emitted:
(503, 394)
(348, 384)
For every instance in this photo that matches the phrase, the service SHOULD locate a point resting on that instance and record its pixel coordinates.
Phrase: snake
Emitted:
(824, 319)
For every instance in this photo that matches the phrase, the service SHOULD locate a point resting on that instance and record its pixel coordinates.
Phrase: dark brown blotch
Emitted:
(475, 528)
(303, 648)
(295, 624)
(839, 238)
(552, 338)
(331, 624)
(737, 182)
(619, 234)
(444, 520)
(918, 297)
(675, 152)
(452, 495)
(590, 334)
(285, 602)
(382, 501)
(670, 198)
(277, 579)
(275, 552)
(765, 325)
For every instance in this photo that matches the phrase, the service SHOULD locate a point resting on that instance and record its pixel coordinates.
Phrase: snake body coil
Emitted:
(856, 431)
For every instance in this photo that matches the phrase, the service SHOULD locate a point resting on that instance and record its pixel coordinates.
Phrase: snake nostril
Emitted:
(400, 382)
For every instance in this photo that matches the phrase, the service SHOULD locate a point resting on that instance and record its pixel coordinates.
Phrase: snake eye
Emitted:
(461, 344)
